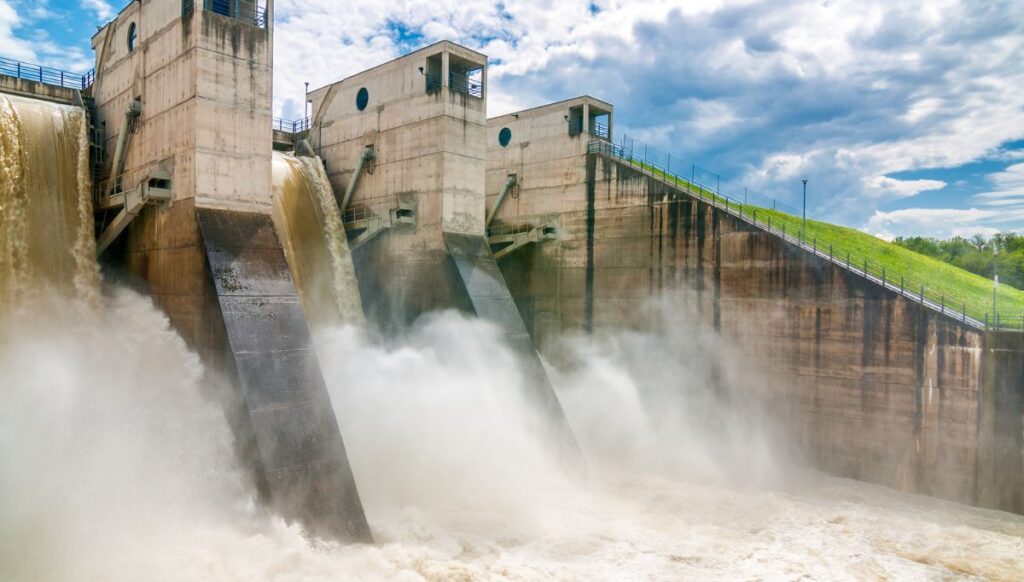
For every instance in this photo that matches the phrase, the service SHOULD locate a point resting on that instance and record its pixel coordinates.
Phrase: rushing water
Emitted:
(114, 465)
(124, 472)
(309, 224)
(46, 227)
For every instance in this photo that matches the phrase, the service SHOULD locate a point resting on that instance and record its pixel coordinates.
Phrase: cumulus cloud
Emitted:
(847, 94)
(884, 187)
(13, 46)
(102, 9)
(1009, 185)
(941, 222)
(23, 39)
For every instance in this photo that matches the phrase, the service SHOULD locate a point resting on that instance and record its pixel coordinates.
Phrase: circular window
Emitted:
(362, 99)
(132, 37)
(504, 136)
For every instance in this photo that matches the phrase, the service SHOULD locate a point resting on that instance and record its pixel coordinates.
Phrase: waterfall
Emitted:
(46, 218)
(309, 224)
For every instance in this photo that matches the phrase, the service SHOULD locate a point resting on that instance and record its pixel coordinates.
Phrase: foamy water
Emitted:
(115, 466)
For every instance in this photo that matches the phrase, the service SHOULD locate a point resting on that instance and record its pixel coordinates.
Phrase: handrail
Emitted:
(461, 83)
(774, 221)
(290, 126)
(46, 75)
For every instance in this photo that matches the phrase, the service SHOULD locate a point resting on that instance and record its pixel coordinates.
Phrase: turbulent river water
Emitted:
(125, 472)
(115, 465)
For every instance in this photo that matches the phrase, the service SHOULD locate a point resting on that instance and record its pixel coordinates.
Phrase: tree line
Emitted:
(1001, 254)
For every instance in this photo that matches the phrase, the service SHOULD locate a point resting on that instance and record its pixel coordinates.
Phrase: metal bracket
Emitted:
(155, 189)
(510, 240)
(366, 225)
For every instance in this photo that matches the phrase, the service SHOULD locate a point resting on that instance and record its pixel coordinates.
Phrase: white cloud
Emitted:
(941, 222)
(103, 10)
(13, 46)
(845, 94)
(886, 188)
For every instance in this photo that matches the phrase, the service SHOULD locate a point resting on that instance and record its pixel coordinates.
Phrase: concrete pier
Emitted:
(211, 258)
(406, 139)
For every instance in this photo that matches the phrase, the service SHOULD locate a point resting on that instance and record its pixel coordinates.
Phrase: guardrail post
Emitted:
(964, 312)
(942, 307)
(901, 284)
(922, 293)
(883, 277)
(815, 244)
(830, 252)
(847, 260)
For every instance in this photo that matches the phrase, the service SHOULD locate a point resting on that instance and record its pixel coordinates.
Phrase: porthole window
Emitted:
(504, 136)
(362, 99)
(132, 37)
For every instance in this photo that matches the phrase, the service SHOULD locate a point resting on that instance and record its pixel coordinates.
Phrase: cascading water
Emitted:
(114, 467)
(46, 225)
(309, 225)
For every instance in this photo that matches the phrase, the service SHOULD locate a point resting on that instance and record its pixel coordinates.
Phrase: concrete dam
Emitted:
(405, 312)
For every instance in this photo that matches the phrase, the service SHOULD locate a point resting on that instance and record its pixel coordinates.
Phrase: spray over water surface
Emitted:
(125, 472)
(116, 465)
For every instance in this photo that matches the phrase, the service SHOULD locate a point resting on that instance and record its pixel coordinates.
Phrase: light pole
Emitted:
(803, 228)
(305, 103)
(995, 280)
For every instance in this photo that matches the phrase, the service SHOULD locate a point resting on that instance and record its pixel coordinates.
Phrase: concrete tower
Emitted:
(184, 92)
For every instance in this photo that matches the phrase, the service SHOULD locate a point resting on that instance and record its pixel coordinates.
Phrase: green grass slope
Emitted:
(959, 290)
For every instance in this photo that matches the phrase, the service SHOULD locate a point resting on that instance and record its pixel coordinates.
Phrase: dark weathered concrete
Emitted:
(484, 285)
(869, 384)
(240, 312)
(298, 443)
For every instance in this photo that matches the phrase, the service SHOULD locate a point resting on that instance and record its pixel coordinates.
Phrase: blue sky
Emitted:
(906, 117)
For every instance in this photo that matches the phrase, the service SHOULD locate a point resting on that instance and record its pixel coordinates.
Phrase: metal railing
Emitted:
(600, 130)
(461, 83)
(261, 17)
(356, 214)
(290, 126)
(230, 9)
(46, 75)
(778, 219)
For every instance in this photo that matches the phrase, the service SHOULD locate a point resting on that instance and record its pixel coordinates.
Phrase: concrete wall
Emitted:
(429, 152)
(551, 167)
(204, 80)
(205, 83)
(870, 385)
(37, 90)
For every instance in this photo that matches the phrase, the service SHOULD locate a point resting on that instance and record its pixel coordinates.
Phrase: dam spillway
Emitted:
(306, 213)
(384, 273)
(45, 240)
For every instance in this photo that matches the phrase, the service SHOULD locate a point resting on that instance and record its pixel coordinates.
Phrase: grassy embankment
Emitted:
(959, 289)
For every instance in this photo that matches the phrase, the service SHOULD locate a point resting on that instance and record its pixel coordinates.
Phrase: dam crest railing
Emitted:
(46, 75)
(772, 217)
